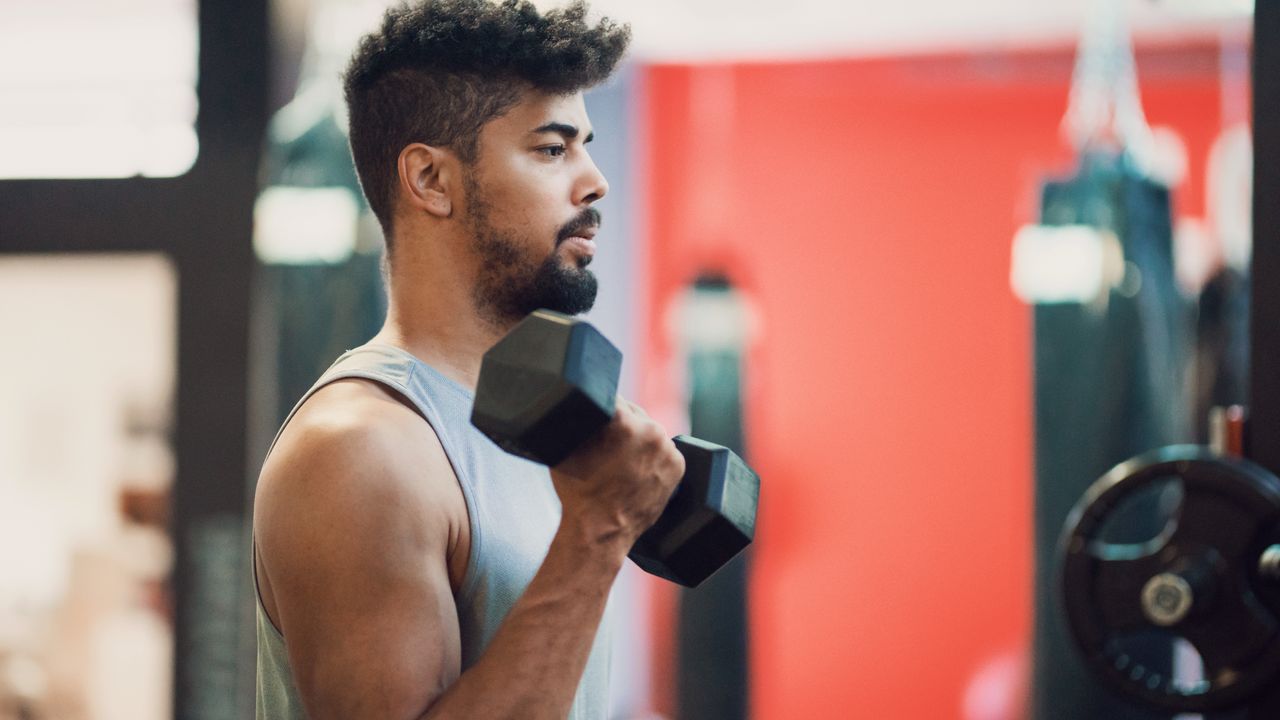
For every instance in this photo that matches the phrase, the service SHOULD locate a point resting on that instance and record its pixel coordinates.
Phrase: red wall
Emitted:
(868, 208)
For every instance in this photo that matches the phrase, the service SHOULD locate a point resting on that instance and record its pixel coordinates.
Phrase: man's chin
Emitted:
(572, 260)
(575, 305)
(557, 285)
(575, 299)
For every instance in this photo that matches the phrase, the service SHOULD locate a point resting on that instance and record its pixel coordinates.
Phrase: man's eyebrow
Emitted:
(565, 130)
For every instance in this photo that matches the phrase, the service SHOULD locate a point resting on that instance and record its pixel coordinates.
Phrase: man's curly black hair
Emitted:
(438, 70)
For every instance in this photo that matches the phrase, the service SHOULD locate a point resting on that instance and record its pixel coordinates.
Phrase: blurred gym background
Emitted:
(830, 243)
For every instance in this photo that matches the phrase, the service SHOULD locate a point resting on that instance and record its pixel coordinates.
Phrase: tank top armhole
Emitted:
(403, 387)
(469, 577)
(257, 591)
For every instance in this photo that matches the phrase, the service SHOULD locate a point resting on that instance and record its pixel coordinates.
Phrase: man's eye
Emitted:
(552, 150)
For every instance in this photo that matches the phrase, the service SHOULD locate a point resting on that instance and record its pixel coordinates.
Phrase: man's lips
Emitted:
(582, 240)
(583, 245)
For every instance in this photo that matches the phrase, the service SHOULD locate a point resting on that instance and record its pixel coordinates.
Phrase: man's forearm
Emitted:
(533, 666)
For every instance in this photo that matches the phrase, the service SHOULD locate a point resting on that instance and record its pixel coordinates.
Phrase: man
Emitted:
(405, 566)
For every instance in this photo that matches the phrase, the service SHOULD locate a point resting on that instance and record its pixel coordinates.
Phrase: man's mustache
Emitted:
(589, 218)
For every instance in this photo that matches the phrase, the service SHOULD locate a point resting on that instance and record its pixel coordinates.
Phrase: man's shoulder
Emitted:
(364, 409)
(364, 438)
(356, 494)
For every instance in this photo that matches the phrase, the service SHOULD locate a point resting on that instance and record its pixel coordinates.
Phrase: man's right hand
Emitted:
(616, 484)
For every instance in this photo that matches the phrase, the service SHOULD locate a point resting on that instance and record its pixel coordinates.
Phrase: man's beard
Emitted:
(512, 283)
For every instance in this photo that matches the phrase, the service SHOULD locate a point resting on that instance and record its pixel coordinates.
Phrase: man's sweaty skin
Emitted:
(361, 529)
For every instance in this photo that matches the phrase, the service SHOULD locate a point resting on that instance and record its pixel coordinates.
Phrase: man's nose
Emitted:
(593, 186)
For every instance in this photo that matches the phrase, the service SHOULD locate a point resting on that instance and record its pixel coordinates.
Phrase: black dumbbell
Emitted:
(551, 384)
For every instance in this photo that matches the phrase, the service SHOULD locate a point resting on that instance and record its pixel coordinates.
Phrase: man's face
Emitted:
(528, 207)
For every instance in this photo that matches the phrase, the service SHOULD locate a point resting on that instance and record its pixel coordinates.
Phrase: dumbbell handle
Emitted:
(714, 502)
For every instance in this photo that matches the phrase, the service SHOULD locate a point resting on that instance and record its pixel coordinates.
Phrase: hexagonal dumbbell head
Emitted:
(710, 518)
(546, 387)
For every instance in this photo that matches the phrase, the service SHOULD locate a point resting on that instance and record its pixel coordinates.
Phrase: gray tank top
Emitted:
(513, 509)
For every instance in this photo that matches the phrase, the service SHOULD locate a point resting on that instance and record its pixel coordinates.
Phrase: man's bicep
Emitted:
(359, 573)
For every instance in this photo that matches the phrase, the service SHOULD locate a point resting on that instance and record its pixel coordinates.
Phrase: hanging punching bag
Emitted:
(714, 325)
(319, 288)
(1108, 385)
(1109, 370)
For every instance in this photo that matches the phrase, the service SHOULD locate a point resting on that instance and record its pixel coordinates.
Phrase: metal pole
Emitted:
(1264, 306)
(1264, 324)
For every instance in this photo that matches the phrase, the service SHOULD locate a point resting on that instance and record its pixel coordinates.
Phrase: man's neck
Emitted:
(433, 316)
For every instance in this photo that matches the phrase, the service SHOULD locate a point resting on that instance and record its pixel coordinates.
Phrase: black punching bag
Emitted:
(712, 673)
(1109, 384)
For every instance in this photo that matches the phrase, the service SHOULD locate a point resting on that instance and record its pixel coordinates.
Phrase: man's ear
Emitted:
(428, 178)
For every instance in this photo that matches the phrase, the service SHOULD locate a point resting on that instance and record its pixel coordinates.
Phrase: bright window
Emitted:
(97, 88)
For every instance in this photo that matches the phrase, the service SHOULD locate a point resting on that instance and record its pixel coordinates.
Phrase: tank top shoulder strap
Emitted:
(394, 368)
